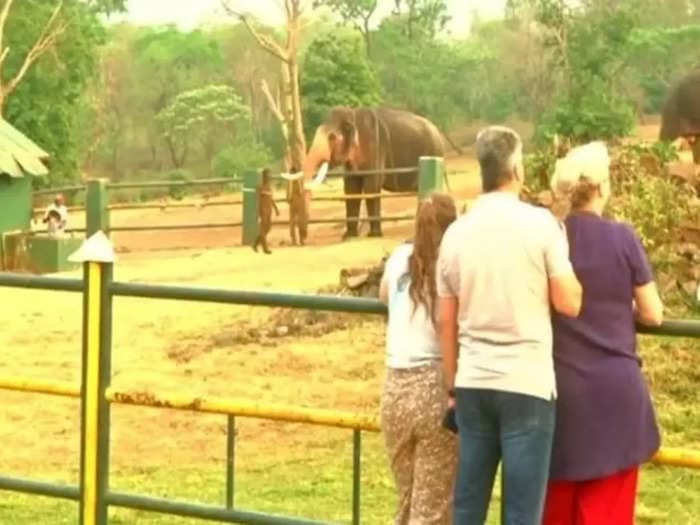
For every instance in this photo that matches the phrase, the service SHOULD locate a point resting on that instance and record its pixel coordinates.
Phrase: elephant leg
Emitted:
(696, 150)
(352, 186)
(374, 209)
(373, 185)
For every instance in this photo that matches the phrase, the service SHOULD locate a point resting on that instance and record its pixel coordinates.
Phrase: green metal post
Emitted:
(97, 256)
(356, 464)
(230, 460)
(251, 181)
(97, 207)
(431, 172)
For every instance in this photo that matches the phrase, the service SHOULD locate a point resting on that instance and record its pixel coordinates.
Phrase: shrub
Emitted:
(592, 115)
(235, 160)
(646, 197)
(180, 175)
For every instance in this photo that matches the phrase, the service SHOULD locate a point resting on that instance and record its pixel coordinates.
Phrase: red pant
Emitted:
(604, 501)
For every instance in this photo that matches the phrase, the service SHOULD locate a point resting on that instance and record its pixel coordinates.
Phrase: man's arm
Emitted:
(448, 307)
(447, 278)
(565, 292)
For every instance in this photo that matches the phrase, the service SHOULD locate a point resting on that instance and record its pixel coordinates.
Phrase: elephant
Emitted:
(366, 138)
(681, 113)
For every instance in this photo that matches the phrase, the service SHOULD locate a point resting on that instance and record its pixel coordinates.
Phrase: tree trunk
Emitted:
(298, 141)
(367, 37)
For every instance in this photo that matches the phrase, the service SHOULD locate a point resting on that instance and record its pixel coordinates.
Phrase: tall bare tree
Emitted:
(288, 109)
(52, 30)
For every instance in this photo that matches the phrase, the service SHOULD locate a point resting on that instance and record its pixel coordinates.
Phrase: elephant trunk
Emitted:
(318, 154)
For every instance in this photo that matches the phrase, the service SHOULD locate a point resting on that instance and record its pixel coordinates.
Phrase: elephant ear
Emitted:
(348, 132)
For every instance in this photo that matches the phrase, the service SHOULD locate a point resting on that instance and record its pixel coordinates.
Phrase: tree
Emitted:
(212, 116)
(288, 110)
(336, 73)
(246, 65)
(589, 44)
(168, 62)
(423, 19)
(43, 90)
(48, 24)
(358, 13)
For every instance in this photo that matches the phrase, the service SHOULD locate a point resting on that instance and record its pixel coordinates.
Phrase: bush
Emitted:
(539, 168)
(235, 160)
(587, 116)
(180, 175)
(646, 197)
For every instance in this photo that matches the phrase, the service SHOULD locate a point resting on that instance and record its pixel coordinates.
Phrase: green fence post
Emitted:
(251, 180)
(96, 207)
(431, 172)
(97, 256)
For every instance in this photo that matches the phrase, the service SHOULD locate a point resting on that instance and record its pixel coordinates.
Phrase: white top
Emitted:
(497, 260)
(411, 339)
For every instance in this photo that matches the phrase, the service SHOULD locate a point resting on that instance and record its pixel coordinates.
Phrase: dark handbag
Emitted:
(449, 421)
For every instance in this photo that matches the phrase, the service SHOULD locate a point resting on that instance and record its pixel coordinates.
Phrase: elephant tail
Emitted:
(446, 138)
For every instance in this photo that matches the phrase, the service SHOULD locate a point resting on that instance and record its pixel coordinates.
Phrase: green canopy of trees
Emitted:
(125, 101)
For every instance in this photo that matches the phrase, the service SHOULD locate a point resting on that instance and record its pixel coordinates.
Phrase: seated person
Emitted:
(56, 216)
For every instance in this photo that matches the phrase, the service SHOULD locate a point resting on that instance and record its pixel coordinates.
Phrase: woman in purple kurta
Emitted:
(605, 424)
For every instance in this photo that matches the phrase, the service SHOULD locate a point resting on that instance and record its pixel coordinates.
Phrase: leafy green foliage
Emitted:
(589, 46)
(336, 73)
(235, 160)
(588, 116)
(210, 117)
(644, 196)
(355, 12)
(47, 103)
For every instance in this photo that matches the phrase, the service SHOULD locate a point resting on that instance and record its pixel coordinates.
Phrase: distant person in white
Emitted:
(56, 217)
(423, 455)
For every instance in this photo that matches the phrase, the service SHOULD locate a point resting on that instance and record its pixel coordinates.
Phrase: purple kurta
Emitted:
(605, 418)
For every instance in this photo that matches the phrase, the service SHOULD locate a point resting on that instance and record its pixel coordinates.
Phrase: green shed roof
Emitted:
(19, 155)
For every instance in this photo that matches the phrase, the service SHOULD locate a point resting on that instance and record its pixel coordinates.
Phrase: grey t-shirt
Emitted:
(497, 260)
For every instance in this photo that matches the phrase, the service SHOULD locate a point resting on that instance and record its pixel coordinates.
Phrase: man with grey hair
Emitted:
(501, 266)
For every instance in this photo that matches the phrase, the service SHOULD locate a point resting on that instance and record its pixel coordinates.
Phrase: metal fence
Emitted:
(97, 395)
(429, 176)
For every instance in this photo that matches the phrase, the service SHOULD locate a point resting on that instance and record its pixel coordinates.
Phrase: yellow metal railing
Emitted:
(677, 457)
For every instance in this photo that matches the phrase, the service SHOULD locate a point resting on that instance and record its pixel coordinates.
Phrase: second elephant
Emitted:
(681, 113)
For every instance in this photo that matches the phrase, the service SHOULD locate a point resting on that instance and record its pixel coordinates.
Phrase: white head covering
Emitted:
(590, 161)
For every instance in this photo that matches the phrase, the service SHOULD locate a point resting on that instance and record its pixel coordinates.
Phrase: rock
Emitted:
(281, 331)
(362, 282)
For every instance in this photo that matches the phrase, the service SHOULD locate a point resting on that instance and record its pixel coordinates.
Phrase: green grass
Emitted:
(311, 477)
(319, 487)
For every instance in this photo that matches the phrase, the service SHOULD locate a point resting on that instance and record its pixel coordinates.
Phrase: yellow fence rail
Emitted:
(677, 457)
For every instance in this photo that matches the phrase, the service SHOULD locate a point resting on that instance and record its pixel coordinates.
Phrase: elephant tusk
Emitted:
(320, 176)
(292, 176)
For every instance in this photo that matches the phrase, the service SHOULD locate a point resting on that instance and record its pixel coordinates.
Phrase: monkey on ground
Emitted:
(298, 213)
(266, 203)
